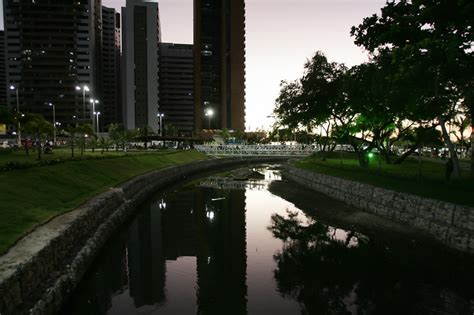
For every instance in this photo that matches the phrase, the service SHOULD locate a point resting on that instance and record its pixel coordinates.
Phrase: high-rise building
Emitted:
(141, 38)
(3, 73)
(110, 106)
(176, 86)
(219, 64)
(52, 47)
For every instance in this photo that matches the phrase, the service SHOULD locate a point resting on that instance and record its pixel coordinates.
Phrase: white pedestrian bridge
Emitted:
(257, 150)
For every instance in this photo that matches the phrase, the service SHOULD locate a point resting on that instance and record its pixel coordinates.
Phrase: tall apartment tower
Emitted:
(141, 38)
(176, 86)
(110, 106)
(3, 73)
(219, 64)
(52, 47)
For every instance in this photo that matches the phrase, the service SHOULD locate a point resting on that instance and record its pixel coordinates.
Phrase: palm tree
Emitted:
(104, 144)
(143, 134)
(71, 132)
(170, 130)
(93, 143)
(36, 123)
(120, 135)
(86, 130)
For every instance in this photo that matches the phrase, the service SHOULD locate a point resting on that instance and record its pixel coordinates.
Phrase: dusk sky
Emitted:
(281, 35)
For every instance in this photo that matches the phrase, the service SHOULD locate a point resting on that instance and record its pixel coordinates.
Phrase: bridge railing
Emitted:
(258, 150)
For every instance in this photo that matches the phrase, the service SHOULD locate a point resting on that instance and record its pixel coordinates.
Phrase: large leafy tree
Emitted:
(317, 100)
(431, 43)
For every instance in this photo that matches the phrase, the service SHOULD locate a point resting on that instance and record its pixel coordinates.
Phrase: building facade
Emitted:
(52, 47)
(110, 103)
(141, 38)
(176, 86)
(219, 64)
(3, 73)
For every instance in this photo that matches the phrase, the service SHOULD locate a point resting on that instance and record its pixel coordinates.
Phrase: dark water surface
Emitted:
(239, 249)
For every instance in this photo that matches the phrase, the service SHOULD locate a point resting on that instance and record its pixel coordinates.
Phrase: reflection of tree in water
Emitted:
(352, 274)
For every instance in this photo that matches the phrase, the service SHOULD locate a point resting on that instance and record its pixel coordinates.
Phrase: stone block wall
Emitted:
(451, 224)
(39, 273)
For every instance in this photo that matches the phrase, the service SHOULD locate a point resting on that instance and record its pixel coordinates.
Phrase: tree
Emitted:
(86, 130)
(6, 116)
(38, 125)
(419, 137)
(225, 134)
(170, 130)
(316, 98)
(71, 132)
(115, 134)
(144, 133)
(104, 144)
(431, 42)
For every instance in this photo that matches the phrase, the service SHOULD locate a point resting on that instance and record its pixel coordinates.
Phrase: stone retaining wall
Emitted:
(43, 268)
(451, 224)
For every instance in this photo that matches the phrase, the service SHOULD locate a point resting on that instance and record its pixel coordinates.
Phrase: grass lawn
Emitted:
(62, 153)
(426, 179)
(34, 195)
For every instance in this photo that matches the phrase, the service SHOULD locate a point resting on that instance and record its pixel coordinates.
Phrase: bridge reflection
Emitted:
(231, 184)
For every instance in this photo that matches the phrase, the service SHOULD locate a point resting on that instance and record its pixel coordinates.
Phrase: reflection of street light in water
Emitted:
(162, 204)
(209, 113)
(210, 213)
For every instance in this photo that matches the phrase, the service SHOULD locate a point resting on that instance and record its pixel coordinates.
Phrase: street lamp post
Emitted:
(209, 113)
(18, 132)
(94, 102)
(54, 122)
(160, 116)
(97, 122)
(84, 89)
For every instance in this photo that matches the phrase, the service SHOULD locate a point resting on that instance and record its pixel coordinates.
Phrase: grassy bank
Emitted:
(426, 179)
(32, 196)
(63, 153)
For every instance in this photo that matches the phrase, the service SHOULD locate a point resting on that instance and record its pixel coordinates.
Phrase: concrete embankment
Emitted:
(450, 224)
(43, 268)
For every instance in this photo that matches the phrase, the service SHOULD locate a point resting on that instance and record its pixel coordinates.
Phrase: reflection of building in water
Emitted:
(107, 279)
(146, 263)
(221, 252)
(178, 226)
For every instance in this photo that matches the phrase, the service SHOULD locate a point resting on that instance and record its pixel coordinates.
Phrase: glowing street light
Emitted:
(18, 132)
(84, 89)
(94, 102)
(97, 114)
(160, 116)
(54, 121)
(209, 113)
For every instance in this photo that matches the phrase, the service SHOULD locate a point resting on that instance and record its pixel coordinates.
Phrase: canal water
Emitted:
(217, 246)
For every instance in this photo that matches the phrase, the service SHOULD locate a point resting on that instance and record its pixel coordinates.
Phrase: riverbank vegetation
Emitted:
(414, 93)
(34, 195)
(423, 177)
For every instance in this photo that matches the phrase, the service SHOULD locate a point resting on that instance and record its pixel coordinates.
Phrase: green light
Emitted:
(371, 155)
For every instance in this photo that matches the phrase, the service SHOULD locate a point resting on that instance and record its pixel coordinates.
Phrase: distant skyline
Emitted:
(280, 36)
